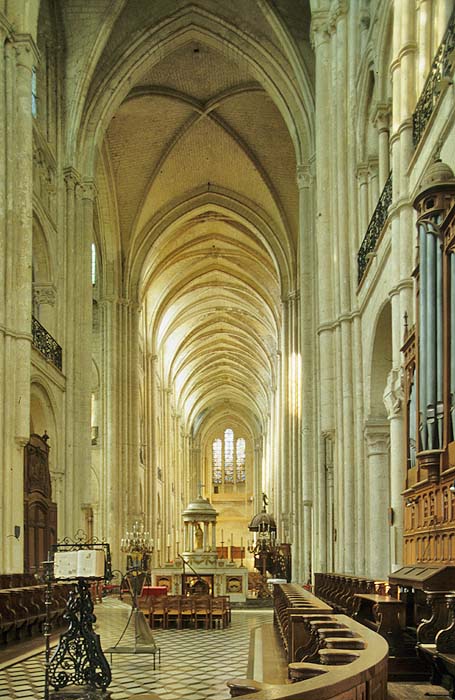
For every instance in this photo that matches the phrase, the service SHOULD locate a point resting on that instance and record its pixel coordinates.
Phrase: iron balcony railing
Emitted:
(439, 76)
(375, 228)
(46, 344)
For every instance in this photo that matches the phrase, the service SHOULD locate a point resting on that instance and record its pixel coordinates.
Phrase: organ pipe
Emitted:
(439, 337)
(452, 348)
(422, 338)
(431, 340)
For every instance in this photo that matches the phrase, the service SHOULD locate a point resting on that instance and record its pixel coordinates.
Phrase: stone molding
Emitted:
(6, 30)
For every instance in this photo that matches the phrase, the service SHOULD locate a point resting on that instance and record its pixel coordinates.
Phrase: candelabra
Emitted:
(138, 546)
(138, 542)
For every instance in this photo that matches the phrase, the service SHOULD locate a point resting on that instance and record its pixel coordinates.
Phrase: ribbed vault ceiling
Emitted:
(199, 145)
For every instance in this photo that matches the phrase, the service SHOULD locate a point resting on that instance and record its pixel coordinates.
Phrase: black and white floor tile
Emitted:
(195, 664)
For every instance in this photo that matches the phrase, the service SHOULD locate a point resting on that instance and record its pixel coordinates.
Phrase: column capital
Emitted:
(377, 437)
(362, 173)
(88, 190)
(72, 178)
(291, 296)
(27, 54)
(304, 176)
(44, 293)
(319, 30)
(339, 9)
(373, 162)
(381, 117)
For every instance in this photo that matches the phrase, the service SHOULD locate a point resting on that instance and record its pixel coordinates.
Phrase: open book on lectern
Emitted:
(81, 563)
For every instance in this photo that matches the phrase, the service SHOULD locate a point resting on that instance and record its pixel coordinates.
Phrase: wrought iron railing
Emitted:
(375, 227)
(440, 73)
(46, 344)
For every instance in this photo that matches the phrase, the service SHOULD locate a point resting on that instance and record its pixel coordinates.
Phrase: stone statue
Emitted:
(199, 536)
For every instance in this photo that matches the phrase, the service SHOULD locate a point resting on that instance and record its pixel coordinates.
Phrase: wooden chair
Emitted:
(187, 608)
(219, 611)
(173, 611)
(157, 612)
(202, 611)
(144, 603)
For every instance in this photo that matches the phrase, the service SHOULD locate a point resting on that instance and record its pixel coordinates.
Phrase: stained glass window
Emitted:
(229, 456)
(228, 459)
(240, 460)
(217, 461)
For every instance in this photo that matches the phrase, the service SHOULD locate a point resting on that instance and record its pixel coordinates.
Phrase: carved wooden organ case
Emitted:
(429, 371)
(40, 512)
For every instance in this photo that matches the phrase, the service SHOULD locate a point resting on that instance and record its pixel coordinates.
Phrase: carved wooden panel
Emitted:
(40, 512)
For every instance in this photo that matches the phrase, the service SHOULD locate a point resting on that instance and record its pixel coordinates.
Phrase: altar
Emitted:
(198, 568)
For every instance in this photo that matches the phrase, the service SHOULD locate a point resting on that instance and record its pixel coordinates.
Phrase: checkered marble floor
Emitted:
(195, 664)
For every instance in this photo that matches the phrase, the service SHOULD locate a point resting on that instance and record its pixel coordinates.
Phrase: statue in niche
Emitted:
(198, 536)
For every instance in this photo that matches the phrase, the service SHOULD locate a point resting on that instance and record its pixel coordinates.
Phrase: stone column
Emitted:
(373, 183)
(120, 403)
(403, 73)
(424, 8)
(323, 242)
(344, 300)
(393, 400)
(292, 392)
(18, 56)
(364, 209)
(195, 468)
(305, 482)
(285, 465)
(382, 120)
(377, 446)
(77, 355)
(257, 470)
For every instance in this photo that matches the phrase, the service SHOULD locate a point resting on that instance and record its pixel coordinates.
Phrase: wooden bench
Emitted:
(290, 603)
(339, 590)
(382, 614)
(437, 646)
(340, 673)
(23, 609)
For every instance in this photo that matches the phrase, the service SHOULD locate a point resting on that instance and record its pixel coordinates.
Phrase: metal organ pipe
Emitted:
(412, 425)
(439, 336)
(452, 336)
(430, 303)
(422, 337)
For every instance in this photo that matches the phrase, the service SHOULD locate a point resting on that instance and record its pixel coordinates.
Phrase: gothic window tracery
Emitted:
(228, 459)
